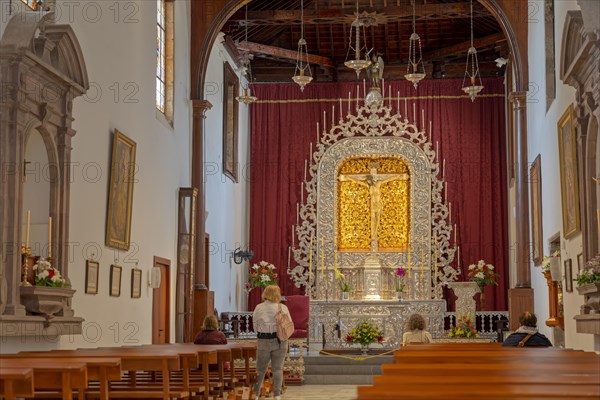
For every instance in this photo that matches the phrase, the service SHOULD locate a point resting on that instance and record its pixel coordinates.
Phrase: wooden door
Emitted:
(161, 304)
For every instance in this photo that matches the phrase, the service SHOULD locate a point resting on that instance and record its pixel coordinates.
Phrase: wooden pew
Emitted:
(556, 378)
(16, 382)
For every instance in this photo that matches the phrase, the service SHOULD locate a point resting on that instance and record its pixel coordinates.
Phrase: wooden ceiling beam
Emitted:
(339, 15)
(283, 54)
(463, 47)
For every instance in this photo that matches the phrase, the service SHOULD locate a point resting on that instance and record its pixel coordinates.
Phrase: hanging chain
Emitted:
(414, 17)
(301, 18)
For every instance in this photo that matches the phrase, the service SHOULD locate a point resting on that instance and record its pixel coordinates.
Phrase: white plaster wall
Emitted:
(543, 139)
(119, 47)
(226, 201)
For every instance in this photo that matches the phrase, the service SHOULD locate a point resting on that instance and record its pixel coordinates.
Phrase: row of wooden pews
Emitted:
(486, 371)
(169, 371)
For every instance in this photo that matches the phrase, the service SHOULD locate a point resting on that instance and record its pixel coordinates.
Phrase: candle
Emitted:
(430, 129)
(450, 213)
(318, 133)
(310, 156)
(364, 87)
(310, 252)
(390, 96)
(444, 169)
(324, 122)
(293, 236)
(455, 230)
(341, 110)
(349, 102)
(422, 119)
(27, 229)
(302, 192)
(305, 165)
(49, 237)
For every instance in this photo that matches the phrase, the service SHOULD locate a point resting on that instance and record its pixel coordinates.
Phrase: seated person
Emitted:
(416, 332)
(210, 333)
(527, 334)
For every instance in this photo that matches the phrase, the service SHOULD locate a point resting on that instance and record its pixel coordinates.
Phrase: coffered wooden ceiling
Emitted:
(443, 25)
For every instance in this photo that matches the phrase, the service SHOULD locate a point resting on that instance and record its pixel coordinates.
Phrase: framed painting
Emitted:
(568, 276)
(91, 276)
(231, 86)
(120, 192)
(136, 283)
(115, 280)
(535, 183)
(569, 185)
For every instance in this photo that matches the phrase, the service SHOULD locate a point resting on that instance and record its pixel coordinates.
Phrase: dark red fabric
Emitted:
(471, 138)
(210, 337)
(299, 308)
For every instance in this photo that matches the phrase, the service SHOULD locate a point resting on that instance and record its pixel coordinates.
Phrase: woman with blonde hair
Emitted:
(269, 347)
(416, 332)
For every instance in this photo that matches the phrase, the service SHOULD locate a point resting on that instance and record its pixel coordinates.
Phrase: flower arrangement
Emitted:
(364, 334)
(546, 261)
(464, 329)
(261, 275)
(590, 272)
(342, 280)
(483, 274)
(400, 275)
(47, 275)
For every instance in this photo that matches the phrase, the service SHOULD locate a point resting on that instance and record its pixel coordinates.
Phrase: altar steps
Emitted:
(331, 370)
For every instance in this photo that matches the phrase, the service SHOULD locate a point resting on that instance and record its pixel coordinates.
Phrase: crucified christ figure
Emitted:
(373, 182)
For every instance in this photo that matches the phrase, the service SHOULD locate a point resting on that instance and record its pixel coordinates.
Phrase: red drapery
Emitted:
(471, 138)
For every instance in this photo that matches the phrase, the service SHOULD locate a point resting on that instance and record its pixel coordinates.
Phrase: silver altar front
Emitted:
(336, 318)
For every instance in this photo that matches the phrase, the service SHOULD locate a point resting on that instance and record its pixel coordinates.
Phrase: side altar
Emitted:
(374, 222)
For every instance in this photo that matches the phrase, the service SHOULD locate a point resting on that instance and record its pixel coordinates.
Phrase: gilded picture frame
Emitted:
(231, 86)
(120, 192)
(92, 269)
(136, 283)
(537, 237)
(569, 184)
(115, 281)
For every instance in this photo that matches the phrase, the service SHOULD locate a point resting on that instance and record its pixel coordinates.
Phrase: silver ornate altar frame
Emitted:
(374, 131)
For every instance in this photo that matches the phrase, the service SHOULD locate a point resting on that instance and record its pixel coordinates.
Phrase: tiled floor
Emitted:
(320, 392)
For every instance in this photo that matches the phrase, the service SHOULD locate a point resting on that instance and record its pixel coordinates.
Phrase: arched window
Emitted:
(164, 58)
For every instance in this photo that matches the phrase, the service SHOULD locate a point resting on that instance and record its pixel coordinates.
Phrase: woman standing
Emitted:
(269, 348)
(416, 331)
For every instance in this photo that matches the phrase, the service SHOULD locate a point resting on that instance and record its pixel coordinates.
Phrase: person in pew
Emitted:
(416, 332)
(269, 347)
(210, 333)
(527, 334)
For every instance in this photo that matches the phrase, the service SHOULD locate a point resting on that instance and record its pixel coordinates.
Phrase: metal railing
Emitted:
(485, 322)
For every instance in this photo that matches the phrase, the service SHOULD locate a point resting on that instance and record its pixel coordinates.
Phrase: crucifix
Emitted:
(373, 181)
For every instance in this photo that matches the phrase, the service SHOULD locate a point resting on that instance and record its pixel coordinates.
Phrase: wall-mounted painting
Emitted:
(231, 86)
(569, 185)
(535, 182)
(120, 193)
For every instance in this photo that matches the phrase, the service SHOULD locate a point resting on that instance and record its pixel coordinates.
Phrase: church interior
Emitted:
(167, 160)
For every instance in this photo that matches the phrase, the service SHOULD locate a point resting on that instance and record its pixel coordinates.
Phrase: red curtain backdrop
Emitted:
(471, 138)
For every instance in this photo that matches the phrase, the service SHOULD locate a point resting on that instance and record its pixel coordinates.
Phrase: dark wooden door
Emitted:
(160, 303)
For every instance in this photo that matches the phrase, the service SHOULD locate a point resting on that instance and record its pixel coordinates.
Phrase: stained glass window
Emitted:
(160, 55)
(30, 3)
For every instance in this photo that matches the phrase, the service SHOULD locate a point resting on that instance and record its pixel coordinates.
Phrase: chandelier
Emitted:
(247, 97)
(474, 89)
(358, 63)
(414, 74)
(302, 65)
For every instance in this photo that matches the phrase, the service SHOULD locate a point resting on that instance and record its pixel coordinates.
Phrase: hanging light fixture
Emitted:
(474, 89)
(301, 77)
(247, 97)
(358, 63)
(415, 64)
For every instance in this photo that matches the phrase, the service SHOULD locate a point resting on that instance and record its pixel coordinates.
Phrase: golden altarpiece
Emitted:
(374, 203)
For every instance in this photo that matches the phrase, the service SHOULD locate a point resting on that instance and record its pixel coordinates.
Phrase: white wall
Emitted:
(226, 201)
(543, 139)
(119, 47)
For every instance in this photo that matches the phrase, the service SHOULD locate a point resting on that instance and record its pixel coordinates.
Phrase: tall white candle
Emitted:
(27, 229)
(318, 133)
(324, 122)
(305, 165)
(341, 110)
(49, 237)
(455, 233)
(310, 155)
(444, 169)
(364, 88)
(422, 119)
(293, 236)
(302, 192)
(349, 102)
(398, 102)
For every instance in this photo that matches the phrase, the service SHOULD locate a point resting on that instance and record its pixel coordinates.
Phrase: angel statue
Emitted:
(375, 70)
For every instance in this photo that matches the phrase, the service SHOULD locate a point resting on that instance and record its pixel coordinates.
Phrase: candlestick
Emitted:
(364, 88)
(49, 237)
(422, 119)
(318, 133)
(324, 122)
(302, 192)
(430, 129)
(349, 102)
(305, 166)
(310, 155)
(27, 229)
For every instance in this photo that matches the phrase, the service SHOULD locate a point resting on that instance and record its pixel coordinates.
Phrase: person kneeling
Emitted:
(527, 334)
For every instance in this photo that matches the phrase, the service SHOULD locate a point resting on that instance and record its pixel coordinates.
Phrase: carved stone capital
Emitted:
(200, 107)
